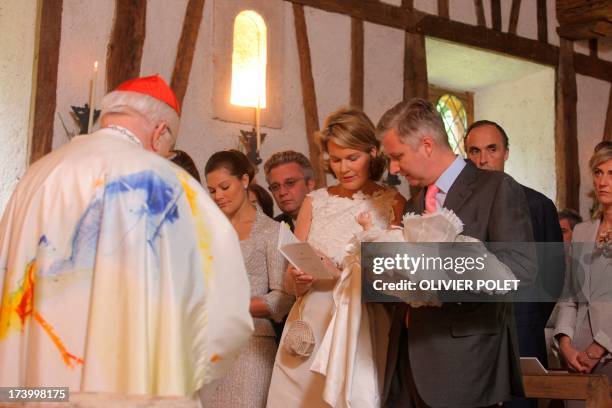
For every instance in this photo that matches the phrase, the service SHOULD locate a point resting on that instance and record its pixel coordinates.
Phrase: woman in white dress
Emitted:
(346, 365)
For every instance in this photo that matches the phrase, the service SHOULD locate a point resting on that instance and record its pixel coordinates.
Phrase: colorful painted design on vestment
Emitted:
(202, 231)
(18, 306)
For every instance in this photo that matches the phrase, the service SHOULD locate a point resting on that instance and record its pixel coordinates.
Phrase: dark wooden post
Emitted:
(608, 127)
(357, 79)
(186, 48)
(308, 93)
(415, 64)
(124, 52)
(542, 21)
(496, 14)
(514, 16)
(566, 138)
(46, 78)
(480, 13)
(443, 9)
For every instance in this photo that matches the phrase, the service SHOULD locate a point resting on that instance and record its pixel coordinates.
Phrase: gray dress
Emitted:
(587, 315)
(246, 383)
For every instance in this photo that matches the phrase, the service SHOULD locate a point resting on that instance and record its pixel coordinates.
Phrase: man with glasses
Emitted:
(290, 177)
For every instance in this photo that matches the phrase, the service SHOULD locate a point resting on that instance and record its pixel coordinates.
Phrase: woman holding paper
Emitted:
(346, 364)
(228, 175)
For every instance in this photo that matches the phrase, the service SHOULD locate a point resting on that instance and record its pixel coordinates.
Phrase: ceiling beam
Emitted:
(583, 19)
(477, 36)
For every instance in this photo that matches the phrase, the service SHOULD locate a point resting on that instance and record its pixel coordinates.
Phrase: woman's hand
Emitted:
(571, 355)
(591, 356)
(301, 280)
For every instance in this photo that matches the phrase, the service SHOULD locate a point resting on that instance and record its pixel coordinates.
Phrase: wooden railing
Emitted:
(592, 388)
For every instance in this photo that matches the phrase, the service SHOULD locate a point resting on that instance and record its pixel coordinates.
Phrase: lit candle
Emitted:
(257, 112)
(92, 95)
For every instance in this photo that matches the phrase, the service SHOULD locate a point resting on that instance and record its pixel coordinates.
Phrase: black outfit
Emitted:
(185, 161)
(531, 317)
(465, 354)
(286, 218)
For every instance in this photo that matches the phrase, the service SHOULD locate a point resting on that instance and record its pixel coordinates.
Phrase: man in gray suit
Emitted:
(460, 354)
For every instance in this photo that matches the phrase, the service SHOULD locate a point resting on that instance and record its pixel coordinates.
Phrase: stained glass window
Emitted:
(455, 120)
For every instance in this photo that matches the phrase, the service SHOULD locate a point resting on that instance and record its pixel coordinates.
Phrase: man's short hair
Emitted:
(289, 156)
(410, 119)
(571, 216)
(480, 123)
(153, 110)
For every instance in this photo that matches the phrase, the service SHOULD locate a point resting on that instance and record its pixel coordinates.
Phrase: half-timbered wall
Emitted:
(87, 27)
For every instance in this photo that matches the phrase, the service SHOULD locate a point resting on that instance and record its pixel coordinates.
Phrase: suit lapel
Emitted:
(462, 188)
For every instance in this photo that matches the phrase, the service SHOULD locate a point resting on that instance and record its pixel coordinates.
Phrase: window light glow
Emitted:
(454, 116)
(249, 60)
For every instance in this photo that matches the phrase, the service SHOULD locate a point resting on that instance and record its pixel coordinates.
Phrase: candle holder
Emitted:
(249, 142)
(80, 114)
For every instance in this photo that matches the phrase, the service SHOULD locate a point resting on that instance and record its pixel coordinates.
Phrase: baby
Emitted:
(440, 227)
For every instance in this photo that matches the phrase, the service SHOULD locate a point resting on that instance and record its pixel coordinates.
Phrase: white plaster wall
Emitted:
(592, 105)
(17, 39)
(201, 135)
(87, 27)
(163, 30)
(525, 108)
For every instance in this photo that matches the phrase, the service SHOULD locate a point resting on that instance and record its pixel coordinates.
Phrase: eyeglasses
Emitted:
(288, 184)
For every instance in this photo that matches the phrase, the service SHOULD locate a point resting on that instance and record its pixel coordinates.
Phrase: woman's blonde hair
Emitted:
(601, 154)
(351, 128)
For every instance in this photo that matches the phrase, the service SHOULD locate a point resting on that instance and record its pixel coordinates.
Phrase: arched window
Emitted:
(249, 60)
(248, 45)
(455, 118)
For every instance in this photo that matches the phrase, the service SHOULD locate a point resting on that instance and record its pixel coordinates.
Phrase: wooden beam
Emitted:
(583, 19)
(480, 13)
(443, 9)
(496, 14)
(357, 55)
(566, 134)
(593, 47)
(415, 67)
(124, 52)
(608, 126)
(583, 31)
(593, 67)
(186, 48)
(311, 114)
(45, 101)
(594, 389)
(542, 21)
(515, 11)
(415, 21)
(415, 63)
